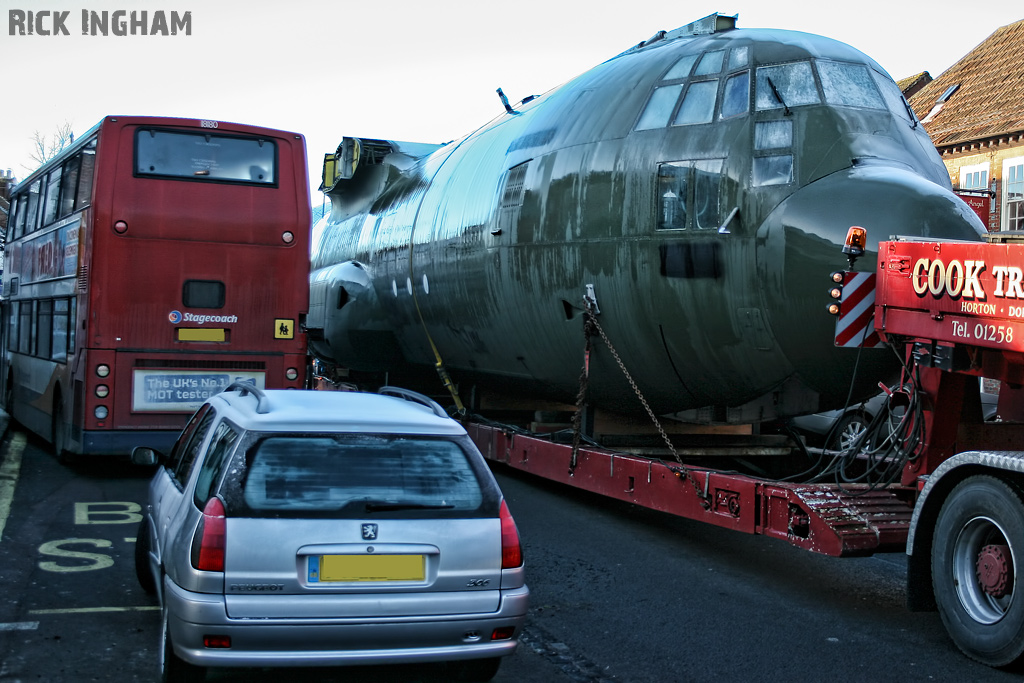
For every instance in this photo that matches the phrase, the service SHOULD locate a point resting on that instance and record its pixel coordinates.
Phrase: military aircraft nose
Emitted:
(800, 245)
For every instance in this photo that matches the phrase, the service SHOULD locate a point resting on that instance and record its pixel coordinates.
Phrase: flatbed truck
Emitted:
(932, 478)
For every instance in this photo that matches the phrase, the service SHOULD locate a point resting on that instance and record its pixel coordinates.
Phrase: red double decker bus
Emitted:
(150, 264)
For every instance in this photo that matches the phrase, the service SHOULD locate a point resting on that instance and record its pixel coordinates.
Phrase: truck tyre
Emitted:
(978, 552)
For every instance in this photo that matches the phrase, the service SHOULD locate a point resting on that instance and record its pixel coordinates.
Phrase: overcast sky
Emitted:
(415, 70)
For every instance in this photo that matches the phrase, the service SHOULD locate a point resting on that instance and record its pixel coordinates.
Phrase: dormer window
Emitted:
(949, 93)
(941, 102)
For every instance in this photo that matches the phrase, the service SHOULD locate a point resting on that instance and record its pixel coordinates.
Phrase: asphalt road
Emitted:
(619, 594)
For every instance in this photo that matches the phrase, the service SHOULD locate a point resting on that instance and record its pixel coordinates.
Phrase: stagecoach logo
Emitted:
(178, 317)
(369, 532)
(103, 23)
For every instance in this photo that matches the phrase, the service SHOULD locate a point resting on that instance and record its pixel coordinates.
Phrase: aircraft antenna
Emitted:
(504, 101)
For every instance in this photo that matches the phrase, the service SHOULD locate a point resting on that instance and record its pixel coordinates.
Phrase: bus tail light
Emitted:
(102, 370)
(210, 539)
(102, 391)
(292, 374)
(511, 550)
(287, 237)
(101, 412)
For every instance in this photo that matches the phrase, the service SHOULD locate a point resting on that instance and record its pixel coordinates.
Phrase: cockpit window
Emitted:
(698, 103)
(699, 93)
(659, 109)
(681, 69)
(739, 57)
(710, 63)
(849, 85)
(786, 86)
(736, 96)
(893, 97)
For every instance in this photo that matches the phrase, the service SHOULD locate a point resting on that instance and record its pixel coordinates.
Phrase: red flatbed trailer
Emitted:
(956, 310)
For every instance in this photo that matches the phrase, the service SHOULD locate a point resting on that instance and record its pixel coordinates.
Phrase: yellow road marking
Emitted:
(9, 469)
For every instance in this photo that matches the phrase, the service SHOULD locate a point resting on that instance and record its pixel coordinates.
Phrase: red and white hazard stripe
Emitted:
(855, 325)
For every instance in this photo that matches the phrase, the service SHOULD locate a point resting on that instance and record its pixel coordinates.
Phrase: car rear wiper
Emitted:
(388, 507)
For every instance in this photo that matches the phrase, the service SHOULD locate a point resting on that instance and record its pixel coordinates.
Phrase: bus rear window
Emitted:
(205, 156)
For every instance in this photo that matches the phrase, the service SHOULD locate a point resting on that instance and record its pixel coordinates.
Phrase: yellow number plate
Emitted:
(372, 568)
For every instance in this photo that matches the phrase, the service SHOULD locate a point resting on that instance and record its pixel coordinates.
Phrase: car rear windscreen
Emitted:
(358, 474)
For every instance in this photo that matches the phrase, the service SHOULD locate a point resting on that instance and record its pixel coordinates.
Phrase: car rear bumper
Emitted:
(337, 642)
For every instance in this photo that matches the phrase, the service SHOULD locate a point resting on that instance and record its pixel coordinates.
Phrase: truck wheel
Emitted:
(978, 552)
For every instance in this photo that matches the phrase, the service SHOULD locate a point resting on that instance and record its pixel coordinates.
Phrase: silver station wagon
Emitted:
(317, 528)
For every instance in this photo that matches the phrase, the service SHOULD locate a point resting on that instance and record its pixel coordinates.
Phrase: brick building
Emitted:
(911, 85)
(974, 113)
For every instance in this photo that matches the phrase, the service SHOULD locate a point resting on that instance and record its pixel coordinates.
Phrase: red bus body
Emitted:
(184, 269)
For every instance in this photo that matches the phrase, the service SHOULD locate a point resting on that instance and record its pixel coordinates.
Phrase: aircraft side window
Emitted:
(698, 103)
(893, 97)
(706, 193)
(773, 170)
(710, 63)
(785, 86)
(773, 134)
(849, 85)
(736, 96)
(689, 194)
(659, 108)
(673, 195)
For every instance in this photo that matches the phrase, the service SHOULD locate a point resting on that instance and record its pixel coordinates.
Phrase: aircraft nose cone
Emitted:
(800, 245)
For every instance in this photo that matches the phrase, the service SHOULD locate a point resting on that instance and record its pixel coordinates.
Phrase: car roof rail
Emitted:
(244, 388)
(415, 397)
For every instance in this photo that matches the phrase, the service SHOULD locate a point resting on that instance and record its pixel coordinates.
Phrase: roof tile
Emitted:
(990, 99)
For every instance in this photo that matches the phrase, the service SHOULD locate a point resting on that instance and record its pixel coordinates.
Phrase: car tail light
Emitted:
(511, 550)
(503, 633)
(216, 641)
(208, 545)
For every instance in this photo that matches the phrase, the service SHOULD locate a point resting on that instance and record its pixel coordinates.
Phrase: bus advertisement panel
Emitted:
(149, 265)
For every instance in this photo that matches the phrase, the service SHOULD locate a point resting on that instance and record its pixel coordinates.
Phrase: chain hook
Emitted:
(590, 326)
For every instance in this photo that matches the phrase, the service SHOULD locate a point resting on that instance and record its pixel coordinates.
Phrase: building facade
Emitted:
(974, 113)
(6, 184)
